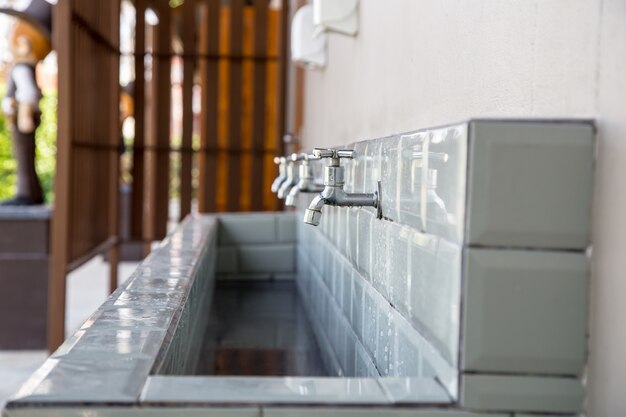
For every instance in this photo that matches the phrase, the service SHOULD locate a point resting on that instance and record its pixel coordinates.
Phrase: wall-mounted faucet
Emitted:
(292, 177)
(282, 173)
(333, 193)
(306, 183)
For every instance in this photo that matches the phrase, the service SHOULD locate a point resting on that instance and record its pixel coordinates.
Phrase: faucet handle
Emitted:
(346, 153)
(295, 157)
(333, 153)
(324, 153)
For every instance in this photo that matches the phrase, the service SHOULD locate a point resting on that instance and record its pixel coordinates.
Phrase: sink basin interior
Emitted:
(259, 329)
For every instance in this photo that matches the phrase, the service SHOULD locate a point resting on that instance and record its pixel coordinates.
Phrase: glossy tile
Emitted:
(444, 175)
(414, 391)
(370, 320)
(351, 234)
(226, 260)
(411, 185)
(247, 228)
(266, 258)
(139, 284)
(369, 412)
(132, 318)
(390, 153)
(542, 415)
(342, 230)
(357, 184)
(95, 379)
(406, 358)
(522, 393)
(241, 276)
(435, 286)
(399, 238)
(336, 287)
(363, 365)
(347, 288)
(530, 184)
(525, 311)
(381, 237)
(364, 243)
(286, 227)
(101, 411)
(357, 312)
(373, 169)
(164, 271)
(385, 340)
(430, 360)
(111, 342)
(266, 390)
(351, 345)
(129, 298)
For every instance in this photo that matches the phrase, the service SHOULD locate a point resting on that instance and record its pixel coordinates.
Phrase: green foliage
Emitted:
(8, 165)
(47, 144)
(46, 149)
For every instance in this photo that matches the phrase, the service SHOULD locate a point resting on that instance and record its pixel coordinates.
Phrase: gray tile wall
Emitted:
(256, 246)
(475, 279)
(476, 274)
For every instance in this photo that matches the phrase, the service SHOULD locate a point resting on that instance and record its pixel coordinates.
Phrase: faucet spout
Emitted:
(313, 214)
(306, 182)
(305, 185)
(289, 182)
(336, 196)
(282, 173)
(333, 193)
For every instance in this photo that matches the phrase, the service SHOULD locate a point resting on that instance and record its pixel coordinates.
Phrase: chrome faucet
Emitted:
(291, 180)
(282, 173)
(307, 183)
(333, 193)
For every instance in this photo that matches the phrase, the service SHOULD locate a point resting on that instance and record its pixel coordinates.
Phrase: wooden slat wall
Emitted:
(258, 118)
(188, 35)
(241, 123)
(234, 105)
(140, 120)
(157, 150)
(85, 219)
(207, 158)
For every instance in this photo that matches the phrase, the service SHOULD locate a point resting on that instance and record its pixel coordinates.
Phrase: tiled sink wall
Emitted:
(475, 280)
(256, 246)
(477, 273)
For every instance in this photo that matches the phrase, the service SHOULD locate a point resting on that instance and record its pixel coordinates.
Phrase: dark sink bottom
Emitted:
(259, 329)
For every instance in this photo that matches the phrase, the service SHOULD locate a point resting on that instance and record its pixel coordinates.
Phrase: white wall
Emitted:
(422, 63)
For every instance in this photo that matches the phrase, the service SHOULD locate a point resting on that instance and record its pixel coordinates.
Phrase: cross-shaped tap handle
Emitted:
(333, 153)
(303, 157)
(295, 157)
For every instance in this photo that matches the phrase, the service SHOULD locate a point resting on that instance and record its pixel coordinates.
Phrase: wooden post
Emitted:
(259, 116)
(189, 64)
(140, 120)
(234, 105)
(207, 158)
(157, 163)
(60, 218)
(113, 155)
(282, 85)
